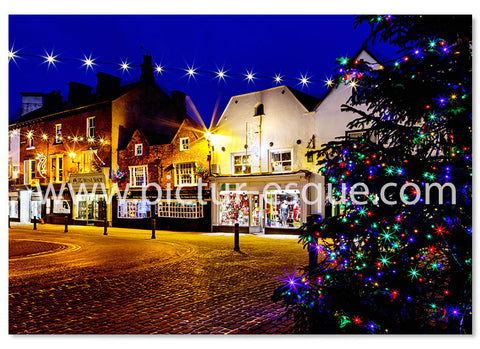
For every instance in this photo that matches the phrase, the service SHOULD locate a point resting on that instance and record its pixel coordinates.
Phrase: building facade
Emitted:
(75, 143)
(159, 181)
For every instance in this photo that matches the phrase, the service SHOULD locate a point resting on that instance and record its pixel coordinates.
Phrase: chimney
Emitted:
(79, 93)
(31, 101)
(107, 85)
(147, 69)
(180, 103)
(53, 98)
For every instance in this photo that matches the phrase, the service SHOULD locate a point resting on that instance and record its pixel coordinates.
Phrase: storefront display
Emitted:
(90, 207)
(180, 209)
(13, 209)
(234, 208)
(282, 209)
(133, 208)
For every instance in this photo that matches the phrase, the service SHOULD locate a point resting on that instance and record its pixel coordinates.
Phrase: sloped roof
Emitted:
(308, 101)
(51, 110)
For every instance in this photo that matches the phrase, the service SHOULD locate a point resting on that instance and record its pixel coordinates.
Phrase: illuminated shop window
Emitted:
(179, 209)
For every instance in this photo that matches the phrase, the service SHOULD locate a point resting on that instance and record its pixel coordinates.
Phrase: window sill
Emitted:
(30, 148)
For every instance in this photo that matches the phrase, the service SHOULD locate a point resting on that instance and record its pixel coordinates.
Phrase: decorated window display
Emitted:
(234, 208)
(133, 208)
(282, 209)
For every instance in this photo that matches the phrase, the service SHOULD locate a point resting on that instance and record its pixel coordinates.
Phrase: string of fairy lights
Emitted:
(190, 71)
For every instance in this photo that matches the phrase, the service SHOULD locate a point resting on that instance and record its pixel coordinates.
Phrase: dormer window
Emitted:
(259, 110)
(138, 149)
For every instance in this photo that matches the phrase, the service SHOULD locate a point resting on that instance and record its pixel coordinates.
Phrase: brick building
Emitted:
(76, 141)
(160, 170)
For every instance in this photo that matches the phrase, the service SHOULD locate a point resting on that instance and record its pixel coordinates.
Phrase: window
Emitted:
(138, 149)
(30, 140)
(179, 209)
(241, 164)
(86, 160)
(58, 133)
(133, 208)
(184, 143)
(185, 174)
(56, 168)
(281, 160)
(29, 173)
(259, 110)
(138, 176)
(91, 127)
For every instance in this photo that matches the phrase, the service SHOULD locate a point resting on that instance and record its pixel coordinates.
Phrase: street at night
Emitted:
(127, 283)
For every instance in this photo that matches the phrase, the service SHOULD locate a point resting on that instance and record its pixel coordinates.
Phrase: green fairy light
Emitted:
(384, 260)
(413, 273)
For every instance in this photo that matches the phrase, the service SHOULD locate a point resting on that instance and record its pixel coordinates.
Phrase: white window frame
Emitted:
(184, 143)
(184, 209)
(233, 165)
(58, 133)
(133, 176)
(139, 149)
(27, 171)
(90, 128)
(270, 156)
(181, 170)
(59, 172)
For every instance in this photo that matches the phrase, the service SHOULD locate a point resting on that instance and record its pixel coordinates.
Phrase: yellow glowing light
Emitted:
(329, 82)
(250, 76)
(12, 54)
(304, 80)
(208, 136)
(353, 83)
(75, 139)
(72, 155)
(88, 62)
(81, 138)
(453, 96)
(159, 69)
(101, 140)
(278, 79)
(30, 134)
(90, 139)
(221, 74)
(124, 66)
(44, 136)
(50, 58)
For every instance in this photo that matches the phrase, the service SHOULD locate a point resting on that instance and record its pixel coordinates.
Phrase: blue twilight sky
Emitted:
(291, 46)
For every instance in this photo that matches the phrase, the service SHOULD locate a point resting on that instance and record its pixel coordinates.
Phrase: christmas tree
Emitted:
(398, 258)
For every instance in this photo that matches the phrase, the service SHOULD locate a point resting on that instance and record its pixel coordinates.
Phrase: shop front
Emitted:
(274, 203)
(89, 205)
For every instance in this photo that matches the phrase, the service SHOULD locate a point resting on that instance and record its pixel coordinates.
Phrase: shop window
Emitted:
(241, 164)
(58, 133)
(138, 149)
(133, 208)
(179, 209)
(185, 174)
(56, 168)
(281, 160)
(29, 172)
(282, 209)
(90, 207)
(13, 209)
(91, 127)
(184, 143)
(234, 208)
(138, 176)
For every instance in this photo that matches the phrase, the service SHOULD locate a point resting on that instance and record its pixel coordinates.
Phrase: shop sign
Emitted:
(89, 179)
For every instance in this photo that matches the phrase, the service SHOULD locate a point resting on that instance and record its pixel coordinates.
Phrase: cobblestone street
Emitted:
(83, 282)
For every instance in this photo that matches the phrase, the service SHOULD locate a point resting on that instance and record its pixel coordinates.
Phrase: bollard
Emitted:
(34, 222)
(66, 224)
(105, 223)
(153, 228)
(237, 238)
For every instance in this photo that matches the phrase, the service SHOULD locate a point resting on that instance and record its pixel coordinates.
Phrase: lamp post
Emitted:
(208, 137)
